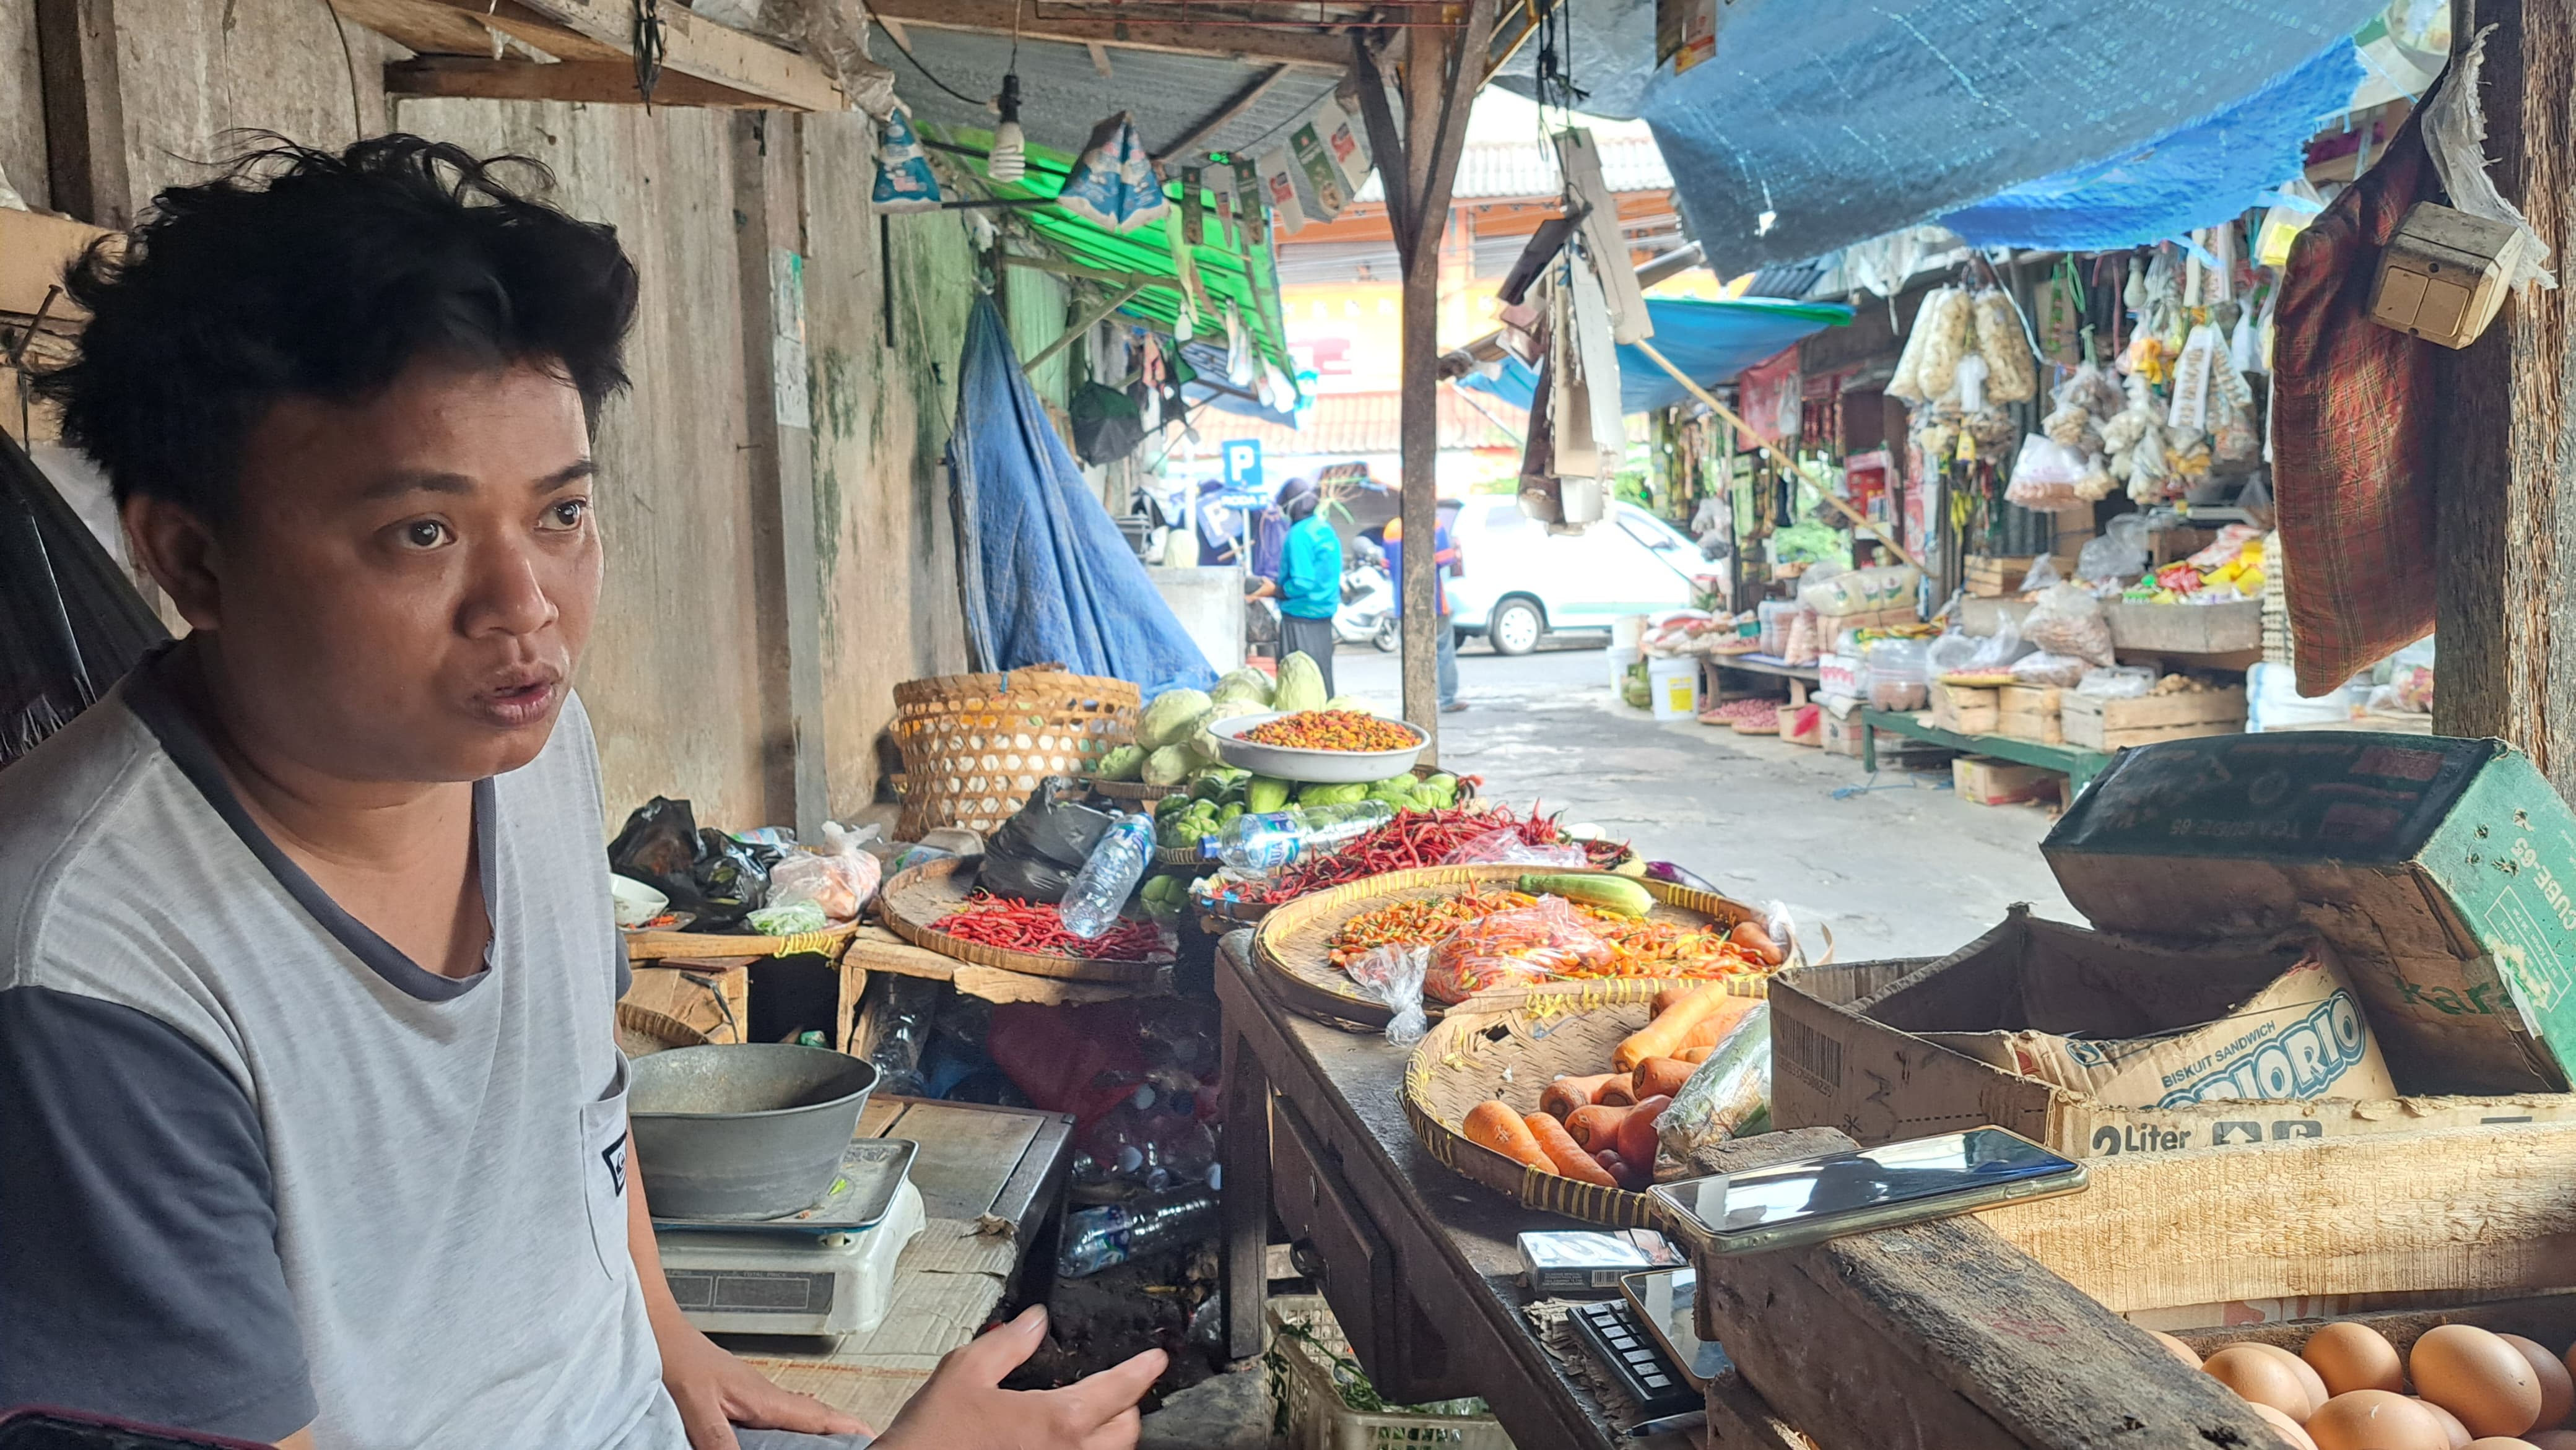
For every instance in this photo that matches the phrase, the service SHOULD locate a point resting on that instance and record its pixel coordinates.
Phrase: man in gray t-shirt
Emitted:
(312, 1124)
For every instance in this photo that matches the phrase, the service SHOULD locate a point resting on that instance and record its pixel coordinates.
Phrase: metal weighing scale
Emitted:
(826, 1271)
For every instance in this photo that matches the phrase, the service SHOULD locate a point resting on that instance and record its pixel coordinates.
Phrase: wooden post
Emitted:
(779, 428)
(1442, 72)
(84, 111)
(2506, 521)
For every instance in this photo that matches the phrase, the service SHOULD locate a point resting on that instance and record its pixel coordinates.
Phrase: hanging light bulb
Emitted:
(1010, 157)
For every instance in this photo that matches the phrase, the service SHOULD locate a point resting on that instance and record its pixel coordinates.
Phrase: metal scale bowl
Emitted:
(771, 1215)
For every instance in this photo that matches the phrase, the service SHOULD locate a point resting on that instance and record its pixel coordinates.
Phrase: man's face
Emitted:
(406, 584)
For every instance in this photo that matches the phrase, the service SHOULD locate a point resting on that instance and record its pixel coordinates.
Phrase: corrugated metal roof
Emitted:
(1062, 96)
(1525, 168)
(1366, 424)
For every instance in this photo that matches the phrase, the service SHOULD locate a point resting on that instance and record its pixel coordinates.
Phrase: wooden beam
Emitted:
(1310, 50)
(599, 82)
(1089, 320)
(2505, 499)
(694, 45)
(462, 27)
(1386, 143)
(1099, 57)
(1088, 274)
(1189, 143)
(84, 112)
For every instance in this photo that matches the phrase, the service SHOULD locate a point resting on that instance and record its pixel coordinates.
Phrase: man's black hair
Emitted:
(302, 272)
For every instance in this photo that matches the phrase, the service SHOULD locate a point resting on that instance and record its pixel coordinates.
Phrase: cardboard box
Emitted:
(2140, 1032)
(1835, 1064)
(2186, 629)
(35, 247)
(1841, 734)
(1998, 783)
(1967, 709)
(2098, 724)
(2441, 870)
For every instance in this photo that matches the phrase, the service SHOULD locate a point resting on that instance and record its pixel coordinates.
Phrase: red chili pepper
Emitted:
(1030, 927)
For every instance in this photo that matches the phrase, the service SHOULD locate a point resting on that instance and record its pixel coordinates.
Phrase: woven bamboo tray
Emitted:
(1292, 945)
(648, 946)
(1512, 1042)
(916, 898)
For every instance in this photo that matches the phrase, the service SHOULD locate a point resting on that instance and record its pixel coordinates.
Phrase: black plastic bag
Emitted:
(732, 879)
(71, 623)
(1050, 827)
(659, 846)
(1107, 424)
(1024, 878)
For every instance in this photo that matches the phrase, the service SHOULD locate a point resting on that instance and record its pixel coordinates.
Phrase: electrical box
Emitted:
(2443, 276)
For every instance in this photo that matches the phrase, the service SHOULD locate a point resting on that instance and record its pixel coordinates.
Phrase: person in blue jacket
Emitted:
(1309, 586)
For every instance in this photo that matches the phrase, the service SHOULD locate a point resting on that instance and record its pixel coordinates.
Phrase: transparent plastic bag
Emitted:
(2000, 649)
(2044, 474)
(2119, 682)
(2043, 572)
(1524, 946)
(2119, 555)
(1953, 653)
(1393, 975)
(2050, 669)
(1503, 846)
(1860, 591)
(2068, 620)
(838, 880)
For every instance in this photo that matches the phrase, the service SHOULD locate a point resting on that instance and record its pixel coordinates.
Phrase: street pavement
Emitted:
(1907, 869)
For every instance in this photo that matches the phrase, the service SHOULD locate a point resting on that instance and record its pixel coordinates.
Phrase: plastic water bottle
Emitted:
(1265, 844)
(1104, 883)
(1113, 1233)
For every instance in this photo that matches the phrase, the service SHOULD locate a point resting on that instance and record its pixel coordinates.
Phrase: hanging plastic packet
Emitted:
(1503, 846)
(1393, 975)
(1520, 947)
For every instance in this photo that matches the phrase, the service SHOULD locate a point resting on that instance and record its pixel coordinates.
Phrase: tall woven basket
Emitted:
(975, 746)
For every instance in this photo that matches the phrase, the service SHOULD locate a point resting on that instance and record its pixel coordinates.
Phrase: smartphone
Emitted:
(1813, 1199)
(1663, 1300)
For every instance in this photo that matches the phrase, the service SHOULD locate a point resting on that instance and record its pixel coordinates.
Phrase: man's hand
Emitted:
(964, 1407)
(716, 1392)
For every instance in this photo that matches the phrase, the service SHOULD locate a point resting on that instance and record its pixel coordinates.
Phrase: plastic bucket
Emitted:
(1628, 632)
(1672, 688)
(1621, 659)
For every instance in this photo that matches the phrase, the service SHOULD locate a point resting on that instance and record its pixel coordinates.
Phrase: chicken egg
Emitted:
(2308, 1376)
(2475, 1375)
(2552, 1439)
(2375, 1420)
(2354, 1357)
(2180, 1350)
(2557, 1387)
(2258, 1374)
(2451, 1426)
(2499, 1442)
(2288, 1427)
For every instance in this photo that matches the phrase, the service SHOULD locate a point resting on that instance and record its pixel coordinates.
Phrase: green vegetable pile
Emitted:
(1217, 796)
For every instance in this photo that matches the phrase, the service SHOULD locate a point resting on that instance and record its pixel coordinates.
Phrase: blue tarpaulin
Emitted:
(1846, 119)
(1048, 575)
(1711, 341)
(2190, 177)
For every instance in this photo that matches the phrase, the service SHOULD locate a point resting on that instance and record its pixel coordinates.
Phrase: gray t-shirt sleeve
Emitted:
(139, 1273)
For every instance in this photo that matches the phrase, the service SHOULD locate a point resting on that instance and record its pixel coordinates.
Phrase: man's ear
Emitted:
(174, 546)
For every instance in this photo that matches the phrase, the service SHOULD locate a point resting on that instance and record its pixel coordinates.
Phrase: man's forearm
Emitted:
(658, 1303)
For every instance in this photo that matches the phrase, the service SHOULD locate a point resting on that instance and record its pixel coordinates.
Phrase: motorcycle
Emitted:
(1367, 615)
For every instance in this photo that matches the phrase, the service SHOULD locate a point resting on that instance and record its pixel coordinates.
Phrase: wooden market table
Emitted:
(2080, 765)
(1798, 676)
(1419, 1264)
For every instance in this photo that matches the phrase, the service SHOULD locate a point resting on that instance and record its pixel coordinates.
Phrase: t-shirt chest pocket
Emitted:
(604, 1168)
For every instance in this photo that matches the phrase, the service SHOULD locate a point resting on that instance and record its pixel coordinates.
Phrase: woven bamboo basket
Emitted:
(1130, 790)
(649, 946)
(915, 899)
(1510, 1043)
(1292, 946)
(975, 746)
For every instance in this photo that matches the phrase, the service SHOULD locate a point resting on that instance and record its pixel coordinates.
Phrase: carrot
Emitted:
(1663, 1036)
(1749, 935)
(1565, 1153)
(1490, 1124)
(1636, 1138)
(1597, 1127)
(1564, 1095)
(1659, 1077)
(1665, 999)
(1694, 1055)
(1620, 1169)
(1712, 1029)
(1618, 1092)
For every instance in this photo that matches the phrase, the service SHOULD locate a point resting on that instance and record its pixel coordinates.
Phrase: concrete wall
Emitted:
(676, 680)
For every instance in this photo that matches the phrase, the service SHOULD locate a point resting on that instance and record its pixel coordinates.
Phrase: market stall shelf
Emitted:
(647, 946)
(1509, 1044)
(2080, 765)
(916, 900)
(1292, 947)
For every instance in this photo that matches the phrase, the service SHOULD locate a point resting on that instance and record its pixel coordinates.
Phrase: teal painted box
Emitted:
(2443, 872)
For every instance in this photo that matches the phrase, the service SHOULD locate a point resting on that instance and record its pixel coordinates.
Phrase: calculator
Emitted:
(1611, 1331)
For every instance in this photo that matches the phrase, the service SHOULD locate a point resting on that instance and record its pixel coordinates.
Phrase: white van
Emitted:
(1520, 582)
